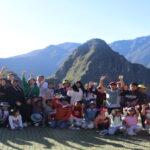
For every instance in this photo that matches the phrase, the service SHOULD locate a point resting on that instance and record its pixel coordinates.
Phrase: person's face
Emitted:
(49, 103)
(101, 90)
(39, 103)
(35, 99)
(91, 84)
(3, 82)
(92, 106)
(64, 102)
(32, 82)
(131, 112)
(133, 87)
(16, 114)
(78, 85)
(40, 79)
(10, 77)
(78, 104)
(118, 114)
(142, 90)
(113, 87)
(50, 86)
(125, 87)
(29, 101)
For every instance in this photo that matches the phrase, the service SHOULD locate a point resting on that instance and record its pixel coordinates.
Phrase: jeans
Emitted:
(133, 129)
(90, 115)
(113, 130)
(60, 124)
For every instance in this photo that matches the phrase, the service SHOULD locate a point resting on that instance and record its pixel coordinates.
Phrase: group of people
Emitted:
(113, 109)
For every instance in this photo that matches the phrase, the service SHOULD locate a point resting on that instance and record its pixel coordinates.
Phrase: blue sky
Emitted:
(26, 25)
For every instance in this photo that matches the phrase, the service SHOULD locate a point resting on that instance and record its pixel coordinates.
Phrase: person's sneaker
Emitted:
(49, 123)
(20, 128)
(132, 134)
(36, 124)
(77, 128)
(25, 124)
(103, 132)
(149, 131)
(72, 127)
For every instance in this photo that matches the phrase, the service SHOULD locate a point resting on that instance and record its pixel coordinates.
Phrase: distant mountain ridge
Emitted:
(95, 58)
(136, 51)
(46, 61)
(43, 61)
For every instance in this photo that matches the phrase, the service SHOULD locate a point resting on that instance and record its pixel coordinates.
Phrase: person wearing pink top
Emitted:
(131, 121)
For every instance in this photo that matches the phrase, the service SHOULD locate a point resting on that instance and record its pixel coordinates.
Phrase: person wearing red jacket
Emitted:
(63, 113)
(77, 115)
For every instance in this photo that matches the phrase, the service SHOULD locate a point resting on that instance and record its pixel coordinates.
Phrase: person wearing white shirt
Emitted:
(43, 86)
(15, 120)
(75, 94)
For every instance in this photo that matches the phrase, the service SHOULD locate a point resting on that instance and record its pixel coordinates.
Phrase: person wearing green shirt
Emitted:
(30, 87)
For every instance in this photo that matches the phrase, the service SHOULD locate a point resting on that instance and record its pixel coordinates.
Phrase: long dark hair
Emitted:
(75, 88)
(81, 86)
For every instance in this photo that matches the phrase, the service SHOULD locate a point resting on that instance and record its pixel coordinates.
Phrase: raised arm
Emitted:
(137, 110)
(121, 81)
(143, 110)
(3, 69)
(101, 82)
(25, 84)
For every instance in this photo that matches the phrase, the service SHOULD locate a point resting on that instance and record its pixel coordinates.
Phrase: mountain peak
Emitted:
(96, 42)
(95, 58)
(136, 50)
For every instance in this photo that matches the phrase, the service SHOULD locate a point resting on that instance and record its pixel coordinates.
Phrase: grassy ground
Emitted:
(46, 138)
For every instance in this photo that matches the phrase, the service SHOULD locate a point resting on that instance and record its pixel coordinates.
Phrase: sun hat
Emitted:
(36, 117)
(4, 104)
(65, 81)
(142, 86)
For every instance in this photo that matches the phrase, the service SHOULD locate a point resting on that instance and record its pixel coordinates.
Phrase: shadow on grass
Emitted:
(48, 138)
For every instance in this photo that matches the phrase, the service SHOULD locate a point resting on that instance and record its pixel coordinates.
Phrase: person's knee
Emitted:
(53, 124)
(111, 131)
(63, 125)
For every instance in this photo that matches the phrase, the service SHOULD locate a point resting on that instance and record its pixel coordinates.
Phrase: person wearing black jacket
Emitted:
(131, 97)
(16, 93)
(4, 91)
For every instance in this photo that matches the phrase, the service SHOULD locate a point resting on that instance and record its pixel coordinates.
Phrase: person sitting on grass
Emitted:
(15, 120)
(4, 113)
(116, 125)
(131, 121)
(37, 114)
(90, 114)
(146, 114)
(27, 112)
(77, 115)
(102, 121)
(63, 113)
(49, 111)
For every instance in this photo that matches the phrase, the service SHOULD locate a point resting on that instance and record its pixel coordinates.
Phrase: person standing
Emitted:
(112, 94)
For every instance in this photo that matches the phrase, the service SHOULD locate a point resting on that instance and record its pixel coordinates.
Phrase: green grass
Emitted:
(46, 138)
